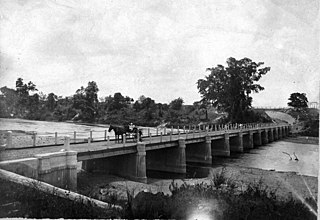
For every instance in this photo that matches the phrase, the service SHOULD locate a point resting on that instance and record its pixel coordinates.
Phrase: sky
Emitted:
(158, 48)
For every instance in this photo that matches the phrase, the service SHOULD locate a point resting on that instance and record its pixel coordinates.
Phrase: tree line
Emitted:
(25, 101)
(227, 89)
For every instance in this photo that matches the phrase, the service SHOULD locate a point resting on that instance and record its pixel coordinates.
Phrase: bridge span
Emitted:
(57, 164)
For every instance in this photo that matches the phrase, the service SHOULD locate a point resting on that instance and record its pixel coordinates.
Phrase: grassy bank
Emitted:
(221, 196)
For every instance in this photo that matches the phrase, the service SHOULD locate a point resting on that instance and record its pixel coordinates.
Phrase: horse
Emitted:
(118, 130)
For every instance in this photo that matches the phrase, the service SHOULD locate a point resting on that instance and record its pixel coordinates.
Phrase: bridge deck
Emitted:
(105, 148)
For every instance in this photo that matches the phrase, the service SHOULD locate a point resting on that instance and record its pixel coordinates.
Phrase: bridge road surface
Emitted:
(111, 146)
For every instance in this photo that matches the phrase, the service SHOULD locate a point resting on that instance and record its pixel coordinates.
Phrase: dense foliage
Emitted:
(84, 106)
(298, 101)
(229, 88)
(220, 200)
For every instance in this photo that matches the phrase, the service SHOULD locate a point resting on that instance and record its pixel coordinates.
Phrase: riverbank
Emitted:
(285, 184)
(303, 139)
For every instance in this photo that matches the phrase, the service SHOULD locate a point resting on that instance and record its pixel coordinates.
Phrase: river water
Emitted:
(268, 157)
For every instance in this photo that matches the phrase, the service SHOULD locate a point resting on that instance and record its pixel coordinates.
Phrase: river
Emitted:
(268, 157)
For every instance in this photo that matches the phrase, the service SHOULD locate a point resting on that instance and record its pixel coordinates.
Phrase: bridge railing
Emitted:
(9, 139)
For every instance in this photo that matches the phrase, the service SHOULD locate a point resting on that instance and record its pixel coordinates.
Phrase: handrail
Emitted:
(35, 140)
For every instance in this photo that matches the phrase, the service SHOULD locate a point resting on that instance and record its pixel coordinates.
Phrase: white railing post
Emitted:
(9, 139)
(1, 139)
(67, 143)
(105, 134)
(108, 139)
(74, 137)
(55, 138)
(124, 140)
(138, 136)
(34, 138)
(165, 131)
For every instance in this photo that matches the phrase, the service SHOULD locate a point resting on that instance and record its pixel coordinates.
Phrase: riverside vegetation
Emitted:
(222, 198)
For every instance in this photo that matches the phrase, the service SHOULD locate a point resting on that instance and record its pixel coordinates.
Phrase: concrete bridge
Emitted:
(57, 164)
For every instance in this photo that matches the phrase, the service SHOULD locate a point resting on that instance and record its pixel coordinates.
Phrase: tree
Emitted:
(25, 101)
(229, 88)
(51, 101)
(176, 104)
(298, 100)
(86, 100)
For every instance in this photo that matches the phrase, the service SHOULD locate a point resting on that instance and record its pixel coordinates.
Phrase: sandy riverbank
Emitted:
(286, 184)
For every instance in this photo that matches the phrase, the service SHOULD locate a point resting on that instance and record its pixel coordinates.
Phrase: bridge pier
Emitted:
(280, 135)
(265, 138)
(276, 134)
(236, 143)
(221, 147)
(171, 160)
(270, 135)
(200, 153)
(132, 166)
(248, 140)
(257, 141)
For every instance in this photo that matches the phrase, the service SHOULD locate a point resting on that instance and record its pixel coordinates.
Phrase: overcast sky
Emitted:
(158, 48)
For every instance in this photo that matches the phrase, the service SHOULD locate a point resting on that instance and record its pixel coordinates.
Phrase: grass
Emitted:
(221, 199)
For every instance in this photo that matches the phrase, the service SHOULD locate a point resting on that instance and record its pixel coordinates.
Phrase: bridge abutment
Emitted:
(200, 153)
(171, 160)
(58, 168)
(221, 147)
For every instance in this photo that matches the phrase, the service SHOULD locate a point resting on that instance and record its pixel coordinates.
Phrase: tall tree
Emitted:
(51, 101)
(176, 104)
(298, 100)
(229, 88)
(25, 101)
(86, 100)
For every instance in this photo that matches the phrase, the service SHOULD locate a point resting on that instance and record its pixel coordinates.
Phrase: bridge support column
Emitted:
(276, 136)
(265, 139)
(271, 138)
(199, 153)
(171, 160)
(132, 166)
(280, 135)
(248, 140)
(236, 143)
(221, 147)
(257, 140)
